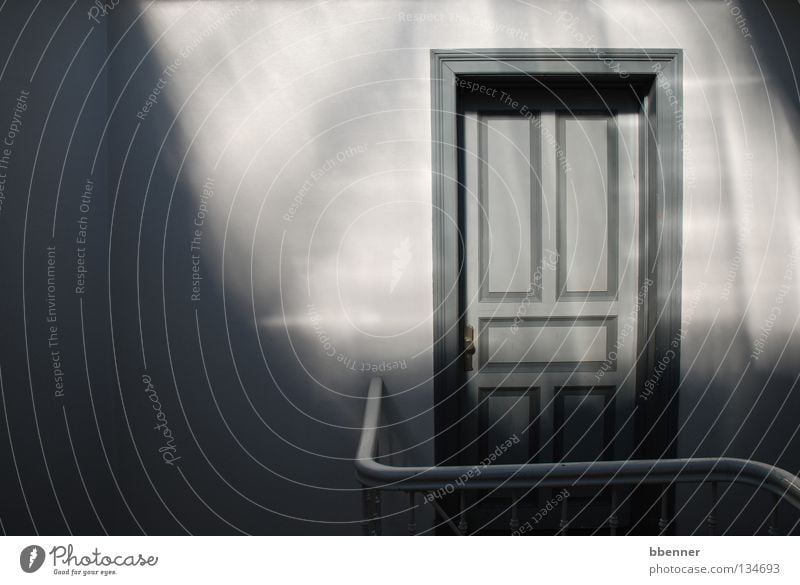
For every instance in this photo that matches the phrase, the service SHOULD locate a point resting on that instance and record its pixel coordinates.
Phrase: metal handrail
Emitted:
(379, 476)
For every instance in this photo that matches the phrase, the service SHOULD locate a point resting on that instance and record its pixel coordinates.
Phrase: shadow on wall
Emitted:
(258, 334)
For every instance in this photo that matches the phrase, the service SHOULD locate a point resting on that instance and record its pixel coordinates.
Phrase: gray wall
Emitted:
(310, 123)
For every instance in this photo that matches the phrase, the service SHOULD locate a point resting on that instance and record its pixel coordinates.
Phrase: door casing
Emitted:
(656, 75)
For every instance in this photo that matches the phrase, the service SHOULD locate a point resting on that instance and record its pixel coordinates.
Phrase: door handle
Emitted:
(469, 346)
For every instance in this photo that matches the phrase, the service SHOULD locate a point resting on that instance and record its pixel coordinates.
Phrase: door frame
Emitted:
(657, 75)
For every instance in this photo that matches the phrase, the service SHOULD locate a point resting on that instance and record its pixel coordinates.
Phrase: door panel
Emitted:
(510, 410)
(550, 208)
(552, 344)
(587, 206)
(507, 224)
(584, 419)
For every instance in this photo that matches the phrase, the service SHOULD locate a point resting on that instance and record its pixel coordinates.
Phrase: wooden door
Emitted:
(550, 284)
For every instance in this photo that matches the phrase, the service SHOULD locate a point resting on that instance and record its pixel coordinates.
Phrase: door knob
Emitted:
(469, 346)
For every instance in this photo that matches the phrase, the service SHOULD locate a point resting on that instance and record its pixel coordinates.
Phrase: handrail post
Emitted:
(613, 519)
(412, 517)
(773, 516)
(370, 503)
(378, 527)
(366, 515)
(711, 519)
(663, 520)
(514, 522)
(462, 519)
(563, 524)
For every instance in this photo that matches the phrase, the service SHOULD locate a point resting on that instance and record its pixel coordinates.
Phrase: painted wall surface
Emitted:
(247, 186)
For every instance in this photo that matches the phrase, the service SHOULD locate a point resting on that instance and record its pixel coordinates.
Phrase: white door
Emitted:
(550, 283)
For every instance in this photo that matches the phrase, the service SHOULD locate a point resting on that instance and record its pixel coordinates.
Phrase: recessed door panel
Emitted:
(587, 206)
(509, 415)
(584, 423)
(553, 344)
(509, 203)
